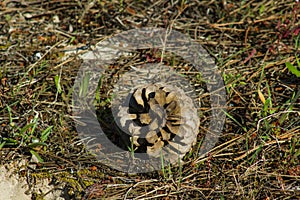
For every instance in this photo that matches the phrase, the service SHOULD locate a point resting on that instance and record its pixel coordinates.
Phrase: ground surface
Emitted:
(11, 186)
(252, 43)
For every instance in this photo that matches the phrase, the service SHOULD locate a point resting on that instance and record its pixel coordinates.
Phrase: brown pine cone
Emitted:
(160, 119)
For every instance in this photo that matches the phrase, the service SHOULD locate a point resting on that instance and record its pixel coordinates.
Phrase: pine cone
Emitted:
(160, 119)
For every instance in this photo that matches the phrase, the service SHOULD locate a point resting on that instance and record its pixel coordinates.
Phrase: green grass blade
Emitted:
(34, 153)
(57, 84)
(2, 145)
(46, 133)
(292, 69)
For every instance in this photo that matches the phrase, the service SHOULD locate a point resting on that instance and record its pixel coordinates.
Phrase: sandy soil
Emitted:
(11, 186)
(14, 187)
